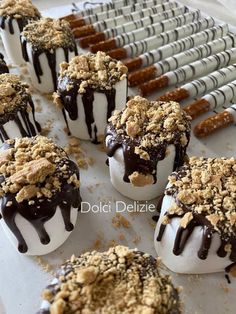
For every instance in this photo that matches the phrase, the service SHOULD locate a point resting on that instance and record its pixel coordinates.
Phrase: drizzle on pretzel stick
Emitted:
(112, 28)
(186, 72)
(202, 85)
(211, 101)
(151, 30)
(178, 60)
(216, 122)
(171, 49)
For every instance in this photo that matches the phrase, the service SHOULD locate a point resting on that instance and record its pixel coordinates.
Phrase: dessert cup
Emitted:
(95, 282)
(145, 142)
(14, 15)
(40, 194)
(17, 112)
(196, 233)
(45, 44)
(90, 88)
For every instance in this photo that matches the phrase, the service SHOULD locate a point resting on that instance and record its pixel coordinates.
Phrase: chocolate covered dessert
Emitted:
(39, 194)
(119, 281)
(145, 142)
(17, 113)
(3, 66)
(196, 232)
(90, 88)
(45, 44)
(14, 15)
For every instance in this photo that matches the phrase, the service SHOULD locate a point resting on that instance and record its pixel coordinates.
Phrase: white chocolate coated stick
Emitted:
(190, 71)
(116, 4)
(148, 44)
(222, 96)
(140, 23)
(131, 12)
(157, 28)
(203, 85)
(216, 122)
(111, 24)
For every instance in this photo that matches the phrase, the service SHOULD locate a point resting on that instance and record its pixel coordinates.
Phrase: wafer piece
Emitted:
(202, 85)
(216, 122)
(186, 72)
(152, 30)
(201, 37)
(123, 24)
(219, 97)
(178, 60)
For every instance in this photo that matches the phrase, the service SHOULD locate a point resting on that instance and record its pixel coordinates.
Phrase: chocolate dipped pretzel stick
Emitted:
(122, 24)
(216, 122)
(223, 95)
(178, 60)
(139, 10)
(188, 71)
(177, 46)
(114, 5)
(202, 85)
(119, 20)
(149, 31)
(148, 44)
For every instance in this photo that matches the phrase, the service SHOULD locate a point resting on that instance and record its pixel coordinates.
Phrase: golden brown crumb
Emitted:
(47, 33)
(18, 9)
(119, 221)
(117, 281)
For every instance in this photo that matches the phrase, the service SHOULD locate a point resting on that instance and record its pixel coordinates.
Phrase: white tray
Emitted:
(22, 278)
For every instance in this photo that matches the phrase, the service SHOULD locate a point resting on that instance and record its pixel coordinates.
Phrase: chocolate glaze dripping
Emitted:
(134, 163)
(69, 101)
(51, 57)
(3, 66)
(42, 210)
(183, 234)
(28, 129)
(22, 22)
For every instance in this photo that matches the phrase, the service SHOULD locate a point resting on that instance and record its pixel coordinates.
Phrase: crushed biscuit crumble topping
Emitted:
(34, 168)
(207, 187)
(97, 71)
(117, 281)
(13, 93)
(48, 33)
(18, 9)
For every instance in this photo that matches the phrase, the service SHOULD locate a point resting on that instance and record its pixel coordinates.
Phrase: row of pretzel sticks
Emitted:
(144, 32)
(190, 71)
(216, 122)
(105, 33)
(108, 10)
(151, 48)
(198, 37)
(111, 27)
(180, 59)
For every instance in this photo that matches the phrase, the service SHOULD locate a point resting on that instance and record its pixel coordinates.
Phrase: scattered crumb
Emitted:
(136, 240)
(46, 267)
(119, 221)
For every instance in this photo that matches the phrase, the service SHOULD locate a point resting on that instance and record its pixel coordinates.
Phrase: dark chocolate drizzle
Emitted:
(69, 101)
(51, 57)
(3, 66)
(199, 220)
(133, 162)
(28, 129)
(42, 210)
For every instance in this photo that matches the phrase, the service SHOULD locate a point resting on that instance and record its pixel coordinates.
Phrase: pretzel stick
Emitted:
(84, 31)
(216, 122)
(77, 23)
(69, 17)
(117, 4)
(178, 46)
(87, 40)
(186, 72)
(202, 85)
(117, 54)
(178, 60)
(211, 101)
(151, 30)
(113, 27)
